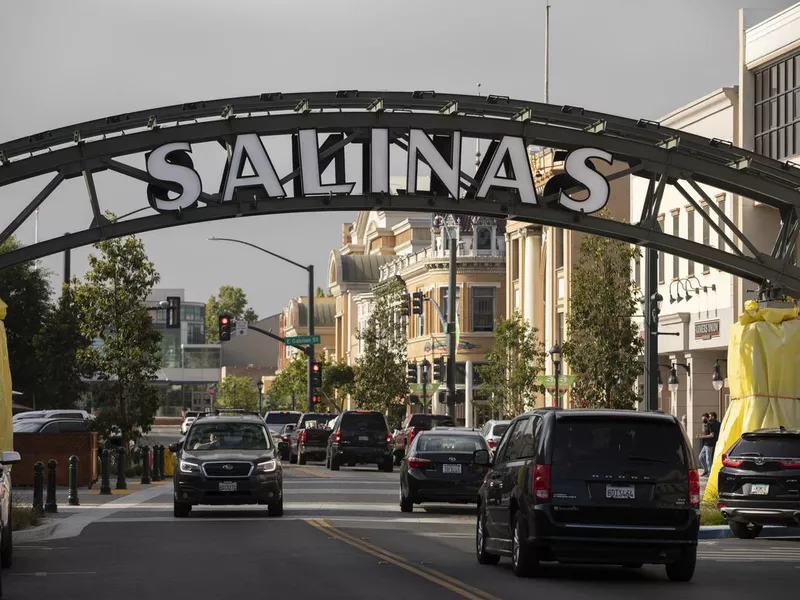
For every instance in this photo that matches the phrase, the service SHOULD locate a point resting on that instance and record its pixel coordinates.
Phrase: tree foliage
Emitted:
(59, 345)
(232, 301)
(380, 379)
(291, 381)
(125, 355)
(603, 348)
(512, 366)
(26, 290)
(237, 392)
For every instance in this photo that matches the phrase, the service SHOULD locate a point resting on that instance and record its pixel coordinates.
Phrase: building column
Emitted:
(549, 306)
(702, 397)
(533, 251)
(509, 275)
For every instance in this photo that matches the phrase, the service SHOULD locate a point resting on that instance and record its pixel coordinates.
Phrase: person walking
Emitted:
(710, 435)
(705, 430)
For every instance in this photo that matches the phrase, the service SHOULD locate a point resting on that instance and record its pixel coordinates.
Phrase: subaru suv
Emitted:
(759, 482)
(591, 486)
(360, 437)
(227, 459)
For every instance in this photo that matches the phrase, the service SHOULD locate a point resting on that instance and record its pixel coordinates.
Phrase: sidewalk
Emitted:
(86, 497)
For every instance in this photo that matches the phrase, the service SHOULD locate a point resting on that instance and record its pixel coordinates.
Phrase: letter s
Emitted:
(581, 170)
(172, 163)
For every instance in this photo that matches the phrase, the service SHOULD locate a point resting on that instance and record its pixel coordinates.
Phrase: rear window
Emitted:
(430, 421)
(192, 414)
(282, 418)
(769, 446)
(618, 441)
(499, 430)
(315, 421)
(450, 443)
(26, 426)
(363, 422)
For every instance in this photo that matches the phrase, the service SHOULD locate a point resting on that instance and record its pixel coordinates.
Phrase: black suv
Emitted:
(591, 486)
(359, 437)
(227, 459)
(759, 482)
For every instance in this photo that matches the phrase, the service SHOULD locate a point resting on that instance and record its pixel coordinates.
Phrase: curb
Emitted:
(717, 532)
(36, 534)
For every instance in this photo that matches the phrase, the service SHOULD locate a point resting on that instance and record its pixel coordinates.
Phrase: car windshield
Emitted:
(617, 441)
(499, 430)
(26, 426)
(450, 443)
(228, 436)
(768, 446)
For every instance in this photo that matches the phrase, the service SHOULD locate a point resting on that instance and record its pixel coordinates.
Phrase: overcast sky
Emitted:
(63, 62)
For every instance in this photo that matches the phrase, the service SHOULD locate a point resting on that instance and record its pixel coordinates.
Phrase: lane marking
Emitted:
(46, 574)
(356, 519)
(431, 575)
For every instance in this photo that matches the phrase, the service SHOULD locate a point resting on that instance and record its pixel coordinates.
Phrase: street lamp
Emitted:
(717, 380)
(311, 292)
(660, 383)
(672, 382)
(555, 355)
(260, 386)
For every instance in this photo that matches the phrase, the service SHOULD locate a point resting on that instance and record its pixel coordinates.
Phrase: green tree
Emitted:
(237, 392)
(512, 366)
(380, 379)
(232, 301)
(320, 292)
(59, 345)
(126, 353)
(26, 290)
(291, 381)
(338, 381)
(603, 348)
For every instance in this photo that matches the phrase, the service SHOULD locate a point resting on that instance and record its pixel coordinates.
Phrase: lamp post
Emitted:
(311, 291)
(425, 366)
(260, 386)
(652, 310)
(672, 380)
(439, 226)
(555, 355)
(717, 380)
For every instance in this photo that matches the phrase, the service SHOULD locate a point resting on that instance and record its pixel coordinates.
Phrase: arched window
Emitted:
(483, 238)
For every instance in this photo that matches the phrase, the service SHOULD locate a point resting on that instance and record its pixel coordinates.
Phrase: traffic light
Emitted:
(405, 303)
(173, 312)
(316, 398)
(438, 369)
(411, 372)
(224, 328)
(416, 303)
(316, 375)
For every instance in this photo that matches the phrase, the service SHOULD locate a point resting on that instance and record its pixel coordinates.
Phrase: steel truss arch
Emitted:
(666, 156)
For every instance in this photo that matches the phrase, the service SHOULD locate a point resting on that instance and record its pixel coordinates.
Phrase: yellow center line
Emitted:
(450, 583)
(308, 471)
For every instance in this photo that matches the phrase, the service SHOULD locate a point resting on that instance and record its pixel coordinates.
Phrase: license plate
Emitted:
(759, 489)
(363, 438)
(620, 492)
(451, 469)
(227, 486)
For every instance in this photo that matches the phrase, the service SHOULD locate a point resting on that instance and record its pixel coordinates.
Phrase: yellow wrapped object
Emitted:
(6, 425)
(763, 376)
(169, 463)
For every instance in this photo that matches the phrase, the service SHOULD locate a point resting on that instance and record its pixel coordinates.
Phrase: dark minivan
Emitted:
(594, 487)
(359, 437)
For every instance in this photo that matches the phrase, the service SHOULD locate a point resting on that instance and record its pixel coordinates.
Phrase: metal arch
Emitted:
(650, 149)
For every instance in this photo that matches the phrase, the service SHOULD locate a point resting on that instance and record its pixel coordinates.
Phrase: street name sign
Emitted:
(302, 340)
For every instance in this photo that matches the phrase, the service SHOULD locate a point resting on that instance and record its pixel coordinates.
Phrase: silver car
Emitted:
(493, 432)
(6, 545)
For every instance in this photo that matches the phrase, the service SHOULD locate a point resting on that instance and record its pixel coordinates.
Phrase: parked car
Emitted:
(443, 465)
(493, 432)
(276, 419)
(759, 482)
(309, 439)
(45, 425)
(6, 526)
(225, 460)
(412, 426)
(359, 437)
(53, 414)
(591, 486)
(188, 419)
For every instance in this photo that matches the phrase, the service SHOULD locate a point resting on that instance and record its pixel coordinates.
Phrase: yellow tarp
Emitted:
(169, 463)
(6, 425)
(763, 376)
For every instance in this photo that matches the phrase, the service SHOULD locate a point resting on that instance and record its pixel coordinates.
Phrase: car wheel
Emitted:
(683, 569)
(744, 531)
(351, 463)
(334, 463)
(301, 458)
(484, 557)
(327, 461)
(398, 458)
(523, 558)
(276, 508)
(387, 466)
(181, 510)
(7, 548)
(292, 458)
(406, 503)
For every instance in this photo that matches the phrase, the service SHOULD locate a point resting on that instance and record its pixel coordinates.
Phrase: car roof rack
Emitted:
(218, 412)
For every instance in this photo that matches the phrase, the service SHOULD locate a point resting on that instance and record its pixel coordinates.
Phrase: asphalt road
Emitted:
(342, 536)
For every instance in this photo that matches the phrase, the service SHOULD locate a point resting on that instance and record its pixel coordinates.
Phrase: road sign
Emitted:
(429, 389)
(241, 327)
(302, 340)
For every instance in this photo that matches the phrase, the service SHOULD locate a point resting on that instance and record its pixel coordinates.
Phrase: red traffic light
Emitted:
(315, 368)
(224, 320)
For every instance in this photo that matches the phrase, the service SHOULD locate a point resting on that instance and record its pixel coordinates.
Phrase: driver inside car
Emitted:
(212, 444)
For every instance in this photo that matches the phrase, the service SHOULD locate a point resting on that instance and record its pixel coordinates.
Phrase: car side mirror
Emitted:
(174, 447)
(10, 458)
(481, 457)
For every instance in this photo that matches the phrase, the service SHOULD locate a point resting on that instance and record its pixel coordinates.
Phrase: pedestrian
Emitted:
(703, 435)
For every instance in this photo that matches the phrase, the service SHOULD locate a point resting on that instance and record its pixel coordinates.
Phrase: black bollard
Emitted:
(72, 498)
(145, 465)
(38, 488)
(105, 483)
(121, 483)
(157, 462)
(51, 506)
(162, 465)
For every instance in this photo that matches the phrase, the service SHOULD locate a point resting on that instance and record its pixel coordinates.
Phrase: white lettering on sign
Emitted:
(508, 169)
(706, 330)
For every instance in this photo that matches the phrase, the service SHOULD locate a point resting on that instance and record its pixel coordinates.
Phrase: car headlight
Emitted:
(189, 467)
(267, 467)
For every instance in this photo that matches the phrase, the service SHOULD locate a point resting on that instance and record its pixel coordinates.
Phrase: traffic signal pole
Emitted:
(451, 331)
(311, 360)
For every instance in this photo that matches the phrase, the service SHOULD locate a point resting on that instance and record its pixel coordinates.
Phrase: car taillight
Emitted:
(694, 487)
(418, 463)
(337, 435)
(285, 438)
(491, 443)
(303, 436)
(720, 505)
(790, 464)
(541, 482)
(727, 462)
(411, 435)
(389, 439)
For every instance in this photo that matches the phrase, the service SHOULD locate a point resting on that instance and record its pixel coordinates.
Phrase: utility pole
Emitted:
(451, 330)
(547, 53)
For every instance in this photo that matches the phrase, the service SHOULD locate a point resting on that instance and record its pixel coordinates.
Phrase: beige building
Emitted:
(294, 322)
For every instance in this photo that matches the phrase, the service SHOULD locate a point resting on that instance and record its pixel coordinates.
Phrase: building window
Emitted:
(483, 238)
(446, 305)
(676, 231)
(559, 235)
(195, 333)
(721, 203)
(690, 237)
(562, 327)
(777, 109)
(482, 309)
(515, 246)
(706, 232)
(661, 257)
